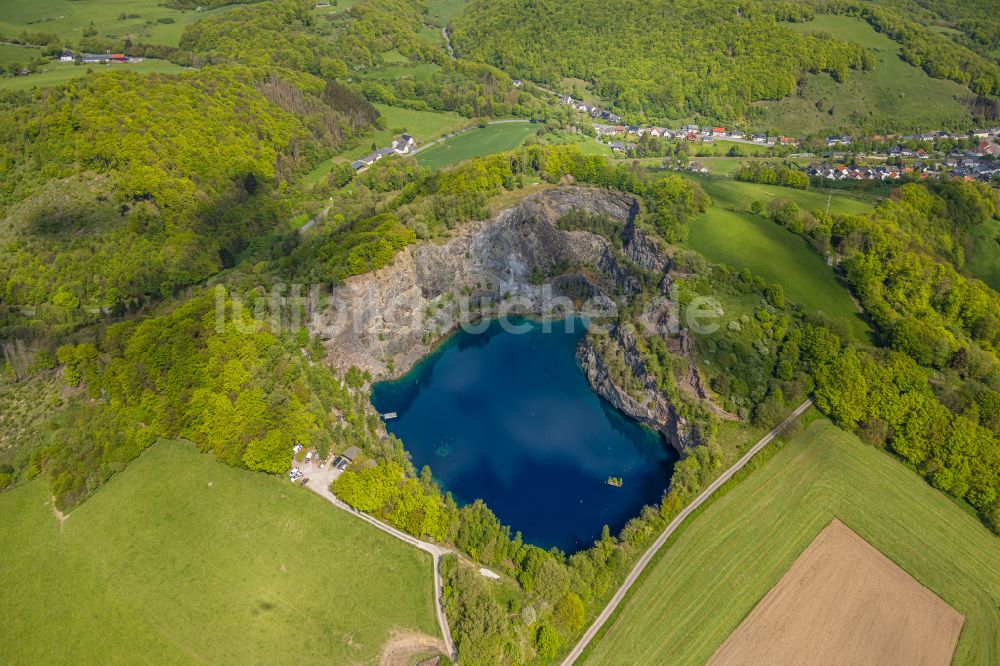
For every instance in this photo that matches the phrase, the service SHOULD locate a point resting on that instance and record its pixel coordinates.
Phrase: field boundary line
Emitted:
(435, 551)
(644, 561)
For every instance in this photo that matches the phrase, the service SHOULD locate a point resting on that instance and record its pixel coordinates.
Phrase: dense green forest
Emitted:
(123, 188)
(654, 59)
(666, 60)
(932, 396)
(938, 55)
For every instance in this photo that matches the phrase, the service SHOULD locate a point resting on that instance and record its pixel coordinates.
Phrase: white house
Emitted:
(403, 144)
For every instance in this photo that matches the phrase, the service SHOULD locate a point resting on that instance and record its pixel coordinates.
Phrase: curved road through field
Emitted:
(322, 488)
(640, 566)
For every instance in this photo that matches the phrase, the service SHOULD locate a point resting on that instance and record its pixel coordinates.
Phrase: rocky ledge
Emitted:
(517, 262)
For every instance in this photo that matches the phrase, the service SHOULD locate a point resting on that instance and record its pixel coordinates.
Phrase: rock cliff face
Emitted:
(641, 400)
(516, 262)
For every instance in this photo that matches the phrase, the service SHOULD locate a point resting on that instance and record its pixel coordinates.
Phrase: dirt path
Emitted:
(60, 516)
(321, 486)
(402, 647)
(643, 562)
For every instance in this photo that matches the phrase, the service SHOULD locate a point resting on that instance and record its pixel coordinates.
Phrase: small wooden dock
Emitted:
(389, 415)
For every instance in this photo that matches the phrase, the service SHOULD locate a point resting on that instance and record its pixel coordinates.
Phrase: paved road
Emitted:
(319, 483)
(671, 528)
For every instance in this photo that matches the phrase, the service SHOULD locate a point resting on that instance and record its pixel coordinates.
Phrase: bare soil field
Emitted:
(844, 602)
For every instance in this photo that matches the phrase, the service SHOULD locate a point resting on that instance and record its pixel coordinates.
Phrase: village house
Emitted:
(718, 131)
(403, 144)
(984, 149)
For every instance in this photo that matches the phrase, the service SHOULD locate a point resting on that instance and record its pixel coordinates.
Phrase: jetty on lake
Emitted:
(389, 415)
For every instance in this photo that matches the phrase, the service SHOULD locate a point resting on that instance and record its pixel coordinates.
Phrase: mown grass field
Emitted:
(396, 66)
(21, 55)
(57, 73)
(181, 559)
(738, 195)
(894, 95)
(442, 11)
(69, 18)
(727, 166)
(475, 143)
(707, 579)
(982, 255)
(423, 125)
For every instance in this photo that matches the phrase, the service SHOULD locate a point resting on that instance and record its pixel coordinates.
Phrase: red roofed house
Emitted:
(718, 131)
(118, 57)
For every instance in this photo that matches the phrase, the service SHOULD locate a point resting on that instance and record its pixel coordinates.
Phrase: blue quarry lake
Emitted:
(510, 418)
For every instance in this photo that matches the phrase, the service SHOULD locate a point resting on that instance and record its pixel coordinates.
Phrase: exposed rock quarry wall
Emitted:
(385, 321)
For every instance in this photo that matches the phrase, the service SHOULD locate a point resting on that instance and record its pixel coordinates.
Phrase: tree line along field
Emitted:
(780, 257)
(181, 559)
(69, 18)
(493, 138)
(57, 73)
(884, 98)
(707, 579)
(728, 234)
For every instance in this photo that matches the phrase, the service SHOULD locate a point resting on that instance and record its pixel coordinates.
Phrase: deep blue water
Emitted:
(510, 418)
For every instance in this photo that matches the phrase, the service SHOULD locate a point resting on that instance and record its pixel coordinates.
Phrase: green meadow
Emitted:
(742, 240)
(894, 95)
(738, 195)
(487, 140)
(708, 577)
(180, 559)
(69, 18)
(982, 253)
(57, 73)
(728, 234)
(424, 126)
(442, 11)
